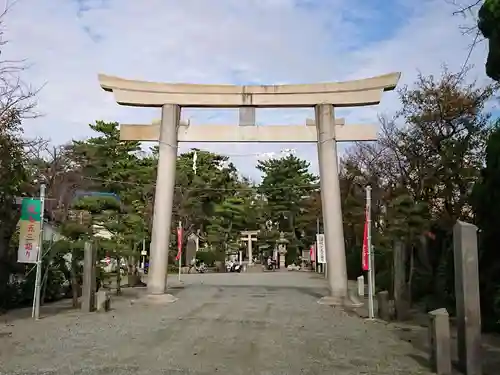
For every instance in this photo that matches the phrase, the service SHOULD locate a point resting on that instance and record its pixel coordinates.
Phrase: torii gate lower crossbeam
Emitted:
(323, 97)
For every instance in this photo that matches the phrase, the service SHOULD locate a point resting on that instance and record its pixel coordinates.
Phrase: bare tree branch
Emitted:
(464, 9)
(17, 99)
(468, 12)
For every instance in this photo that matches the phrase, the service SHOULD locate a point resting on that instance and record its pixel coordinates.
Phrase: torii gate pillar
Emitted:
(331, 205)
(164, 198)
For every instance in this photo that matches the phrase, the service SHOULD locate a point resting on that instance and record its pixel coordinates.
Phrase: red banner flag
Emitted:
(312, 253)
(179, 243)
(365, 256)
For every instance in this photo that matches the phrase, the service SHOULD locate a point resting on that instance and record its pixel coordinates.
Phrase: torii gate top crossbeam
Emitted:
(250, 232)
(341, 94)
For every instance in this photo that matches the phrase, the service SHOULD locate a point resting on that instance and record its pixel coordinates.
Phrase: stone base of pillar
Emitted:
(349, 302)
(158, 299)
(332, 301)
(355, 301)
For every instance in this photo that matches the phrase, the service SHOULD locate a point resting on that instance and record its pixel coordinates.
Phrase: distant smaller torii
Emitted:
(248, 237)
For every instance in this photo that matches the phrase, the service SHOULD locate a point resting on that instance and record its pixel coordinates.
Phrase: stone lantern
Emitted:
(281, 243)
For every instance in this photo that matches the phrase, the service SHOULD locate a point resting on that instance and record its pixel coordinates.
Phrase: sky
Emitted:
(66, 43)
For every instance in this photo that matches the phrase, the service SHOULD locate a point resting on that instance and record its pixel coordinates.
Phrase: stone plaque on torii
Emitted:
(248, 237)
(325, 131)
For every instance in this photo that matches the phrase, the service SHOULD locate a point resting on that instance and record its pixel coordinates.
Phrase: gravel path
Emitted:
(262, 323)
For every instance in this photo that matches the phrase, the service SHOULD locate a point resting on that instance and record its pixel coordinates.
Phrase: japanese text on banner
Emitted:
(320, 240)
(29, 231)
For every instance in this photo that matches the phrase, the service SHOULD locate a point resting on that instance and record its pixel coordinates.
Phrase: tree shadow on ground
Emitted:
(65, 306)
(49, 309)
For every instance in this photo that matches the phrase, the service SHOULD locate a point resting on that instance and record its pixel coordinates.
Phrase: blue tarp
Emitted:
(82, 194)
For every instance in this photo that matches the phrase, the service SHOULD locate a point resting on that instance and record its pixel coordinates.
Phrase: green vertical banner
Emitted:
(29, 230)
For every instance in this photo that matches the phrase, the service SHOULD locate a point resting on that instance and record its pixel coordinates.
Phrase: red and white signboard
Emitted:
(365, 257)
(312, 253)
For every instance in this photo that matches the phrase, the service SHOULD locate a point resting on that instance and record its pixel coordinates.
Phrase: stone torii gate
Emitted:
(248, 237)
(324, 131)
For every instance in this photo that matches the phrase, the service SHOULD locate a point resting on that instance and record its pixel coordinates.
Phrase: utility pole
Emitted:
(316, 250)
(143, 254)
(38, 278)
(372, 257)
(370, 249)
(179, 245)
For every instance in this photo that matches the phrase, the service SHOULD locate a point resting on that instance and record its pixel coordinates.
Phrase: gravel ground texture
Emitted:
(255, 323)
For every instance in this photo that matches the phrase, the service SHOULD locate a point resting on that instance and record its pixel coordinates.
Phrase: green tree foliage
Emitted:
(228, 221)
(486, 204)
(14, 179)
(199, 197)
(120, 167)
(489, 25)
(421, 172)
(286, 183)
(310, 216)
(109, 165)
(115, 229)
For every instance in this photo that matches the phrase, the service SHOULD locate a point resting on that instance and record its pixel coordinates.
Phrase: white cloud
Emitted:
(223, 41)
